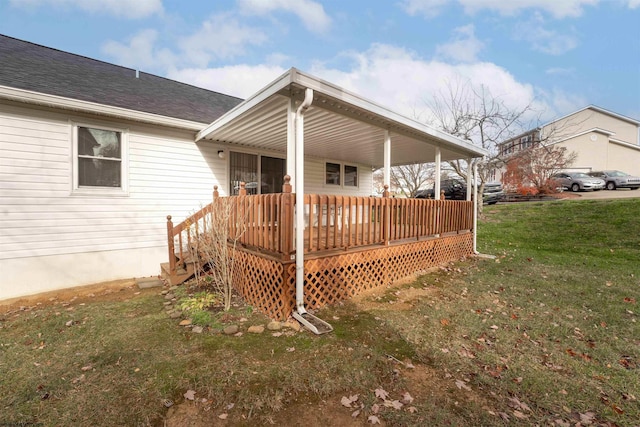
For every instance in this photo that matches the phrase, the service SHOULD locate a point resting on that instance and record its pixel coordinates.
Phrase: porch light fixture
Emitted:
(221, 154)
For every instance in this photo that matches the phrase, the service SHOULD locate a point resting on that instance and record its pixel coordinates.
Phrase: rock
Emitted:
(230, 330)
(164, 292)
(169, 296)
(274, 325)
(197, 329)
(185, 322)
(256, 329)
(175, 315)
(167, 303)
(292, 324)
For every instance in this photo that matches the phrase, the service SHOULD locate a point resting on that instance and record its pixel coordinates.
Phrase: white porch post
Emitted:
(387, 158)
(436, 184)
(469, 176)
(291, 142)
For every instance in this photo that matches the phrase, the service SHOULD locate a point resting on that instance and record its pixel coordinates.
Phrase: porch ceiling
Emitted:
(338, 126)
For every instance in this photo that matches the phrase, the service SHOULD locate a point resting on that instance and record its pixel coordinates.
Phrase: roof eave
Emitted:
(55, 101)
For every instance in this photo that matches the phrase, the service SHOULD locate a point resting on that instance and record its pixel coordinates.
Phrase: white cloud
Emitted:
(559, 71)
(634, 4)
(557, 8)
(428, 8)
(237, 80)
(121, 8)
(140, 52)
(222, 36)
(464, 47)
(310, 12)
(543, 40)
(399, 79)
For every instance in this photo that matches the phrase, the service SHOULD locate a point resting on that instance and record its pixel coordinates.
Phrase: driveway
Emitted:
(622, 193)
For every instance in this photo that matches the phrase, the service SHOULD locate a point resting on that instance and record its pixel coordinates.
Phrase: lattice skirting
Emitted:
(269, 284)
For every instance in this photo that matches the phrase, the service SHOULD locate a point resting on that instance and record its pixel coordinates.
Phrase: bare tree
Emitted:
(476, 115)
(406, 179)
(214, 247)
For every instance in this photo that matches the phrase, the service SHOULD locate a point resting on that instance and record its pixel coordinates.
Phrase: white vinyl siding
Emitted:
(315, 180)
(168, 174)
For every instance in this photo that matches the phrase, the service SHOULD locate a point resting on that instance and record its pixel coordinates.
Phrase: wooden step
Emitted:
(181, 275)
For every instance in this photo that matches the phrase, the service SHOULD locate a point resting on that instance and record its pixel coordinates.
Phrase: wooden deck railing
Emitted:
(267, 222)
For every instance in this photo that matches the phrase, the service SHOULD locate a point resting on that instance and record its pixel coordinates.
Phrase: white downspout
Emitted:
(299, 188)
(475, 208)
(311, 322)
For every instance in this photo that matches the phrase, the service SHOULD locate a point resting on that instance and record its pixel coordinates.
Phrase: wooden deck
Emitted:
(370, 240)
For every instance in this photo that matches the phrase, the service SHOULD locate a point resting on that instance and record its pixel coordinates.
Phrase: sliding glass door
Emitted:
(244, 167)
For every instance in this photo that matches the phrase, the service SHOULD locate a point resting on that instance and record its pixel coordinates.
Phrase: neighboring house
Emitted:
(93, 157)
(602, 140)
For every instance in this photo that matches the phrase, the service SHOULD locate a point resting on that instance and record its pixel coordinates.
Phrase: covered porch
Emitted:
(306, 248)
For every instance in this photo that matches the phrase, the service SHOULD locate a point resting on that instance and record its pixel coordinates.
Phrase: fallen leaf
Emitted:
(290, 349)
(190, 395)
(395, 404)
(494, 327)
(466, 353)
(462, 385)
(381, 393)
(444, 322)
(519, 414)
(345, 402)
(373, 419)
(517, 380)
(617, 408)
(375, 408)
(223, 416)
(587, 418)
(407, 398)
(412, 409)
(355, 413)
(630, 300)
(86, 368)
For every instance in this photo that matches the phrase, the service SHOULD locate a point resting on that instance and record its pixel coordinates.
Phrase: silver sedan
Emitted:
(578, 181)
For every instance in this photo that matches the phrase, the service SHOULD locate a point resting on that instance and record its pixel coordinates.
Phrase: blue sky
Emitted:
(556, 55)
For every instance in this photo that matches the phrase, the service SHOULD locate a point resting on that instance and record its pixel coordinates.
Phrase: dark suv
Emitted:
(456, 189)
(617, 179)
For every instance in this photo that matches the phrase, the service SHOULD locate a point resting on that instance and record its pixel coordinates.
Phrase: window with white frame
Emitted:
(332, 173)
(350, 176)
(339, 174)
(99, 160)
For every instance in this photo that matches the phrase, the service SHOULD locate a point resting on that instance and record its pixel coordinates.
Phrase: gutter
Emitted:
(309, 321)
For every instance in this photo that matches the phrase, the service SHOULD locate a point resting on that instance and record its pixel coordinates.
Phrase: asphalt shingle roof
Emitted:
(29, 66)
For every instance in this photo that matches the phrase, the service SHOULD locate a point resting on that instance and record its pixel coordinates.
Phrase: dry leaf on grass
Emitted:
(190, 395)
(462, 385)
(407, 398)
(381, 393)
(373, 419)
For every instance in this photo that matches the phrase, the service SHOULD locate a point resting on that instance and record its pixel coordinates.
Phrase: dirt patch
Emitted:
(117, 290)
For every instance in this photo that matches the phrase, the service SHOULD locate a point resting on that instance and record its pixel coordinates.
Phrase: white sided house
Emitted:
(601, 139)
(94, 156)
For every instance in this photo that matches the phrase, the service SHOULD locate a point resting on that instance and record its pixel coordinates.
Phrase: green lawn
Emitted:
(547, 333)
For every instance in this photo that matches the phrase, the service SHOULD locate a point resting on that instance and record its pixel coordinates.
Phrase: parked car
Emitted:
(456, 189)
(577, 181)
(617, 179)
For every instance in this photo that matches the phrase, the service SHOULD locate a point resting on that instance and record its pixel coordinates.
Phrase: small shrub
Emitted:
(199, 302)
(200, 317)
